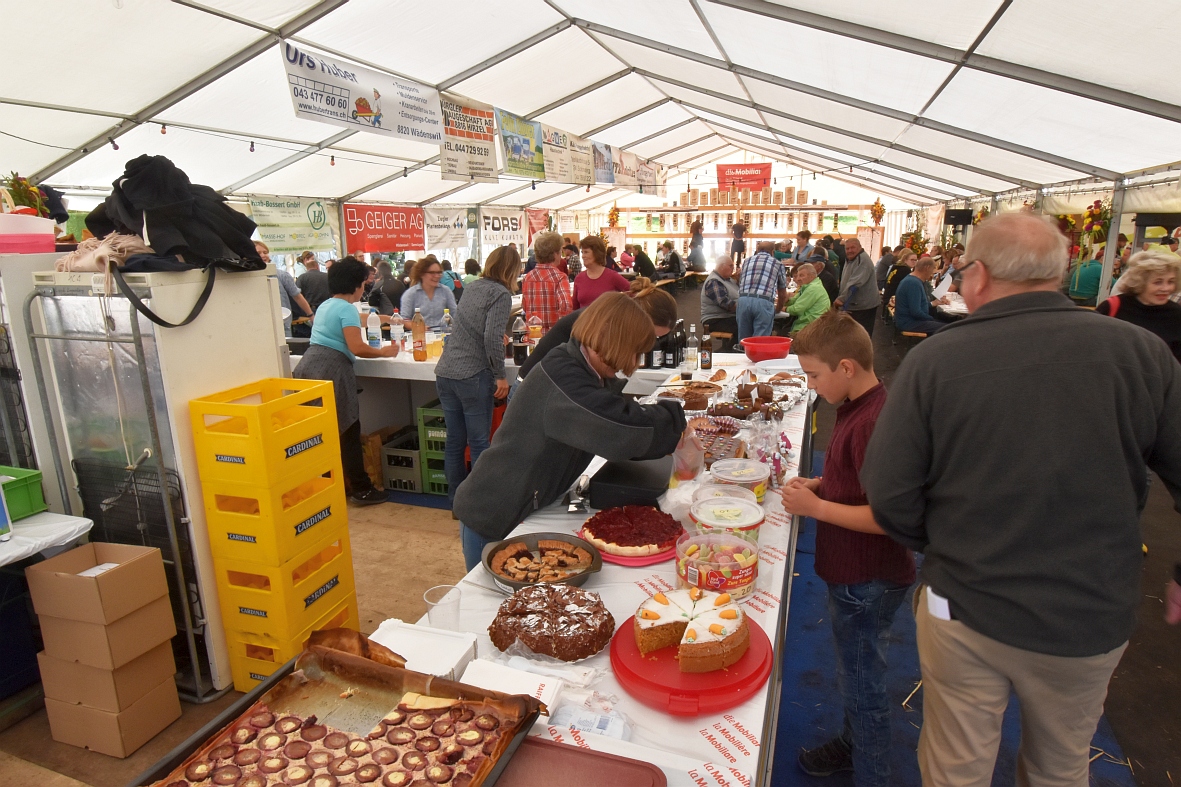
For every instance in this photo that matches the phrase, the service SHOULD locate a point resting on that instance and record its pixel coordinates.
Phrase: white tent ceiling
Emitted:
(921, 100)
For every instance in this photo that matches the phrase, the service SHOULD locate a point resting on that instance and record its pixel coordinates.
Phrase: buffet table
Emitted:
(46, 533)
(734, 747)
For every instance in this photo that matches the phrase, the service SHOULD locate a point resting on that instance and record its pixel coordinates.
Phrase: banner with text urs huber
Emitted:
(469, 137)
(338, 92)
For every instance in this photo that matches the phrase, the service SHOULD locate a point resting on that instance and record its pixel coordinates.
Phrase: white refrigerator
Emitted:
(118, 387)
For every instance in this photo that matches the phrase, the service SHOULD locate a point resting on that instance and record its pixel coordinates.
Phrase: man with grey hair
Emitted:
(1028, 523)
(719, 301)
(545, 291)
(859, 294)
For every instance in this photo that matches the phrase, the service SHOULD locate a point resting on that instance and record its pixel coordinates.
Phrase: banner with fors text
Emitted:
(338, 92)
(469, 137)
(292, 225)
(743, 176)
(502, 226)
(375, 228)
(446, 228)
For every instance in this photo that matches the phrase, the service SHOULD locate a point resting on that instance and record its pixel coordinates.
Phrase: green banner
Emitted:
(290, 225)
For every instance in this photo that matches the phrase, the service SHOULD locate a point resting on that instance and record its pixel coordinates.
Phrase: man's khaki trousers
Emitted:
(966, 682)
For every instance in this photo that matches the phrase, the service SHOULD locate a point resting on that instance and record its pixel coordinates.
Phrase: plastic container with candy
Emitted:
(748, 473)
(713, 561)
(706, 491)
(730, 516)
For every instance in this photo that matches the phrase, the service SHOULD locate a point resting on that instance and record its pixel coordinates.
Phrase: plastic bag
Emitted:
(689, 456)
(592, 712)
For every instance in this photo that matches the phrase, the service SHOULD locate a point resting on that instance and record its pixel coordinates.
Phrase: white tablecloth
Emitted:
(720, 749)
(41, 532)
(403, 367)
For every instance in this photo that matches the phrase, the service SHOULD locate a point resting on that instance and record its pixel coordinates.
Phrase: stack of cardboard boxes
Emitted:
(107, 668)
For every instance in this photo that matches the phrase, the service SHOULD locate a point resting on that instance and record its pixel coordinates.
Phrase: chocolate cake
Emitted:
(561, 621)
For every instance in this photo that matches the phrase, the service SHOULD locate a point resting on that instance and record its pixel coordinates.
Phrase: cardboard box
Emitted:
(109, 647)
(109, 690)
(135, 577)
(116, 734)
(439, 652)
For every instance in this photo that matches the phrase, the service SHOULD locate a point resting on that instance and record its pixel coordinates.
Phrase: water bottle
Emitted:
(447, 327)
(398, 330)
(691, 351)
(373, 329)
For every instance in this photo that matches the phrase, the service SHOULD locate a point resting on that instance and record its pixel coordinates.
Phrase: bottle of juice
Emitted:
(418, 333)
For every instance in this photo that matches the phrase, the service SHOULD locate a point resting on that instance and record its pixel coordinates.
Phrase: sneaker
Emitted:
(372, 497)
(832, 757)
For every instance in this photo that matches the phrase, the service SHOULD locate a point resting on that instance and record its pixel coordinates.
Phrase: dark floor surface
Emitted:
(1144, 701)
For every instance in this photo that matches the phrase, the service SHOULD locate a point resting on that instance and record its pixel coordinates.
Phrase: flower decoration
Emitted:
(613, 216)
(980, 216)
(1097, 219)
(25, 195)
(877, 211)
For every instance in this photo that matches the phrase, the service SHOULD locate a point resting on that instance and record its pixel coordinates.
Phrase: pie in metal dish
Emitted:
(632, 531)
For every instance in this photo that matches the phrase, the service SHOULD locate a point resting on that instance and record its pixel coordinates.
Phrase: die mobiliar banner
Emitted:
(375, 228)
(469, 137)
(337, 92)
(743, 176)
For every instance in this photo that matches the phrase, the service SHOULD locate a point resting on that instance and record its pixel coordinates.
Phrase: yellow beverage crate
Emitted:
(265, 432)
(281, 601)
(253, 658)
(271, 525)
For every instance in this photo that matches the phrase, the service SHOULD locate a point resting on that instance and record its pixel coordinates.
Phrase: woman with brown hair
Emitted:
(427, 294)
(660, 307)
(570, 409)
(470, 374)
(595, 278)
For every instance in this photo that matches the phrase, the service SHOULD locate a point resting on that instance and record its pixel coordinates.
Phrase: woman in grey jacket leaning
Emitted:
(569, 409)
(470, 374)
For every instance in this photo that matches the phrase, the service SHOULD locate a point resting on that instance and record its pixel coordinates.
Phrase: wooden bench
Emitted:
(721, 336)
(665, 283)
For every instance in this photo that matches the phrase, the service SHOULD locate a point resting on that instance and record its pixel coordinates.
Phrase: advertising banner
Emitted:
(744, 176)
(343, 94)
(520, 141)
(567, 222)
(649, 177)
(290, 225)
(446, 228)
(538, 221)
(568, 159)
(625, 165)
(469, 133)
(375, 228)
(604, 162)
(502, 226)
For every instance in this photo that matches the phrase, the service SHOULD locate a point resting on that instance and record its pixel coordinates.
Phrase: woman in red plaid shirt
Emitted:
(546, 290)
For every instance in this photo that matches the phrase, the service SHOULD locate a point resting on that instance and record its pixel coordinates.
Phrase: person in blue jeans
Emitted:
(867, 573)
(470, 374)
(762, 291)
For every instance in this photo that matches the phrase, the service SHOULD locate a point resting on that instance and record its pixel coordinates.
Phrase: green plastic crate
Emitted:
(432, 428)
(434, 478)
(23, 492)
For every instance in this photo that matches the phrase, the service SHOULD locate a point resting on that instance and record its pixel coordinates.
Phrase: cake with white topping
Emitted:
(709, 629)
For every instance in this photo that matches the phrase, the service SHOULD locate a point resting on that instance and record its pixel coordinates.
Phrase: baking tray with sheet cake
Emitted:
(343, 719)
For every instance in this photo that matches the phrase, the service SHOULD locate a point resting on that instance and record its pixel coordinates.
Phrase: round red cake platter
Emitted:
(634, 562)
(656, 679)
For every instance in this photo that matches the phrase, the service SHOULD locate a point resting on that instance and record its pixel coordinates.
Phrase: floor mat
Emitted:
(412, 499)
(810, 710)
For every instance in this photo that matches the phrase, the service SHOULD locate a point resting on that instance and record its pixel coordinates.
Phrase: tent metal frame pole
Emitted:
(313, 14)
(627, 117)
(800, 158)
(553, 196)
(446, 193)
(681, 147)
(389, 179)
(618, 75)
(856, 180)
(967, 58)
(1109, 251)
(292, 159)
(505, 194)
(662, 132)
(500, 57)
(840, 98)
(762, 109)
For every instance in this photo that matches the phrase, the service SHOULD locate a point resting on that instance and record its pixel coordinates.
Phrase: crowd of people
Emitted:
(1030, 575)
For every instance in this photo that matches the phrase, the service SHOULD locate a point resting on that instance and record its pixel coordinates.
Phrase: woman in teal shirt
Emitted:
(336, 342)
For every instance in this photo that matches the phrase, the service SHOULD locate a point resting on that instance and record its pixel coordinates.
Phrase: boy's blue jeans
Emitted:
(861, 619)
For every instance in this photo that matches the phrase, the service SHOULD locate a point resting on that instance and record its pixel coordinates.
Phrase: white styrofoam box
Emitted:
(490, 675)
(428, 650)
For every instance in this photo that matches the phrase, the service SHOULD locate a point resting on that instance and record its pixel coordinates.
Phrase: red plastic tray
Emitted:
(639, 561)
(540, 763)
(657, 680)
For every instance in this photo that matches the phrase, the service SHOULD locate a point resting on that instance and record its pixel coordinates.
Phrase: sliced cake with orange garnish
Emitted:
(710, 628)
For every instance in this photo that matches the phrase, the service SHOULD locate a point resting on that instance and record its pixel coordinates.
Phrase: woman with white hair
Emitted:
(1148, 284)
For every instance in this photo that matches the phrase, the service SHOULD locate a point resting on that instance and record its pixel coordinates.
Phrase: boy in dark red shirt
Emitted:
(867, 573)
